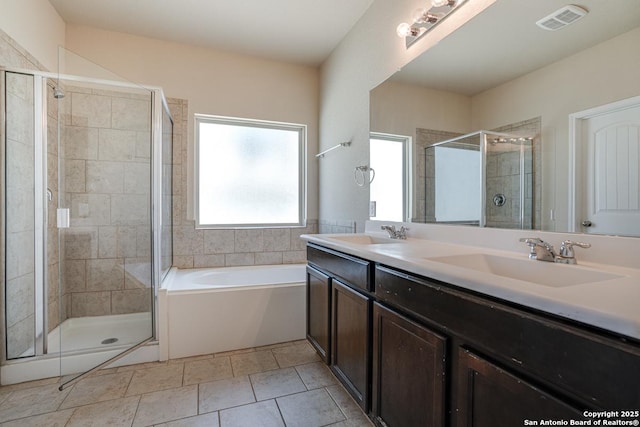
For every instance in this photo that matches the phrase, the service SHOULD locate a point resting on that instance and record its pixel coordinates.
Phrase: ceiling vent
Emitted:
(561, 18)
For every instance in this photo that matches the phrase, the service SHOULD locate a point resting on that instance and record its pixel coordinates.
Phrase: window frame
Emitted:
(407, 179)
(254, 123)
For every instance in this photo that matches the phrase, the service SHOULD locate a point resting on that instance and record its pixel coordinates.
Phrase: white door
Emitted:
(612, 187)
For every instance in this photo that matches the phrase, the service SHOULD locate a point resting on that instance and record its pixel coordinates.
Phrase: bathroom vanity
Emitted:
(414, 349)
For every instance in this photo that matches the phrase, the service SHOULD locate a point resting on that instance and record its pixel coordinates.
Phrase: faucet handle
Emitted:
(566, 248)
(532, 242)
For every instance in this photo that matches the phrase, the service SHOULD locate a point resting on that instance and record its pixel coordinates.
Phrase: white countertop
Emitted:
(612, 304)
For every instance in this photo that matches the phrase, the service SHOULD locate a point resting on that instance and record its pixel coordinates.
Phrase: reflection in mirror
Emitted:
(523, 80)
(483, 178)
(388, 191)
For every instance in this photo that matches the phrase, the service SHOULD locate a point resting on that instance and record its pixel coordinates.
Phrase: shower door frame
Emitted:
(158, 104)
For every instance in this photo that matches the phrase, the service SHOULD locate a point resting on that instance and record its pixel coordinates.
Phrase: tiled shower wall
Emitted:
(106, 162)
(505, 165)
(193, 248)
(503, 177)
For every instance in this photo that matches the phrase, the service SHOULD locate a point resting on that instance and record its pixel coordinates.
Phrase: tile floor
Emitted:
(280, 385)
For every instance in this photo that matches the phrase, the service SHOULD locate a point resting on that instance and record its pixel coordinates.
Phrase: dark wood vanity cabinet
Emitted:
(434, 354)
(318, 312)
(409, 372)
(350, 343)
(489, 396)
(338, 290)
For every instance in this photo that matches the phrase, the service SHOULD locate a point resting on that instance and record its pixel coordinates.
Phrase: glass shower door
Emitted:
(104, 209)
(22, 227)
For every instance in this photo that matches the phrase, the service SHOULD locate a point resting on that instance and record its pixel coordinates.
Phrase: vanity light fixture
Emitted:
(424, 19)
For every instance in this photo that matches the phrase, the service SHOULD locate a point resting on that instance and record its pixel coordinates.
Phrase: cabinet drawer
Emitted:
(353, 271)
(599, 370)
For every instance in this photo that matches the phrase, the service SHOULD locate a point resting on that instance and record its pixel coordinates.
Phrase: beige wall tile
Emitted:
(131, 301)
(131, 114)
(105, 177)
(105, 274)
(90, 110)
(80, 143)
(90, 304)
(116, 145)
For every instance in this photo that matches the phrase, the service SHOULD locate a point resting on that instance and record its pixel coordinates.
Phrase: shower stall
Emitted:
(86, 219)
(483, 178)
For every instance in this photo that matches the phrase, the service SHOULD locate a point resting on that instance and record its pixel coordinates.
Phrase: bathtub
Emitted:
(212, 310)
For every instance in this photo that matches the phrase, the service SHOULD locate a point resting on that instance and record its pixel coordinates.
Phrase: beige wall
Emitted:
(213, 82)
(368, 55)
(36, 26)
(574, 84)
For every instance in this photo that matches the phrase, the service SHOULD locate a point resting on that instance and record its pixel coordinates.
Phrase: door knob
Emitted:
(587, 223)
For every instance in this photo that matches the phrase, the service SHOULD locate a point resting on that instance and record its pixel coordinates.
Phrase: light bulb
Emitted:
(403, 30)
(419, 15)
(439, 3)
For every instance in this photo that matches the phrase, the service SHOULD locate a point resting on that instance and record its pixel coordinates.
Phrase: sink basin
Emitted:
(539, 272)
(365, 239)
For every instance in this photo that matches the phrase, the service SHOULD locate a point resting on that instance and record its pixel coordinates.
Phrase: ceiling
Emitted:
(298, 31)
(503, 42)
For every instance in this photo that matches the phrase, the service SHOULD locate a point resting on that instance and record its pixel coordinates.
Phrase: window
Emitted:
(389, 193)
(249, 173)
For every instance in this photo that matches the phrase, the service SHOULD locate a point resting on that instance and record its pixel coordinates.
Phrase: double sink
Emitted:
(537, 272)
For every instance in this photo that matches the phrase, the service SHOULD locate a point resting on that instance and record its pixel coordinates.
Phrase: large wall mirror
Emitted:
(551, 117)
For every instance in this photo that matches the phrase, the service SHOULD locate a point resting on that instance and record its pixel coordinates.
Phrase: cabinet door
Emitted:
(319, 312)
(408, 372)
(491, 397)
(350, 341)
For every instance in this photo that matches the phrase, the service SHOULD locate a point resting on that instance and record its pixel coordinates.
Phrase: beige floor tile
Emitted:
(267, 385)
(155, 379)
(315, 375)
(249, 363)
(139, 366)
(309, 409)
(97, 389)
(345, 402)
(297, 354)
(190, 359)
(113, 413)
(361, 421)
(52, 419)
(224, 394)
(167, 405)
(200, 371)
(234, 352)
(206, 420)
(31, 401)
(261, 414)
(29, 384)
(278, 345)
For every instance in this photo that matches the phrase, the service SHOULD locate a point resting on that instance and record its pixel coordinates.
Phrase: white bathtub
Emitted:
(212, 310)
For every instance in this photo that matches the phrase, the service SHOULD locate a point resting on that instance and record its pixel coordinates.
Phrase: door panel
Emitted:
(612, 199)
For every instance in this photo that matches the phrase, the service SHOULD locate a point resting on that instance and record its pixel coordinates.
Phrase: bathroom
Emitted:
(332, 99)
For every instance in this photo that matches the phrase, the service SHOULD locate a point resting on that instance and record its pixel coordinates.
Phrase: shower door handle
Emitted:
(63, 217)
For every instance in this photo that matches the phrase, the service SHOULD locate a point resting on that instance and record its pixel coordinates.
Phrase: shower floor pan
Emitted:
(100, 332)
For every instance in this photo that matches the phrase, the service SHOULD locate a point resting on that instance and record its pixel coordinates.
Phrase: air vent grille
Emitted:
(561, 18)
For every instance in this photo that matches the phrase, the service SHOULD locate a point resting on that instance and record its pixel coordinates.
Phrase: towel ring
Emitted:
(359, 175)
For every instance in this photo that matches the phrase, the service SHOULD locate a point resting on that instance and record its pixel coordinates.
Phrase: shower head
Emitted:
(58, 93)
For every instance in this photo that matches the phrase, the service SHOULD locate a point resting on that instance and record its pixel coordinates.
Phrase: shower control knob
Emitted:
(587, 223)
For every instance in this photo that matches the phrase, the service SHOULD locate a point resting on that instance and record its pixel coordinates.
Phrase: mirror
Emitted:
(500, 72)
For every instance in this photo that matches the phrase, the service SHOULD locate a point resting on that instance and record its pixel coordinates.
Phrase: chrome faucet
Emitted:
(395, 234)
(567, 256)
(539, 249)
(543, 251)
